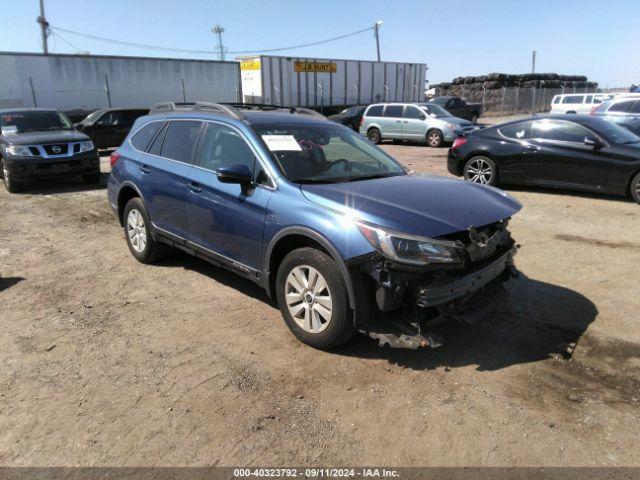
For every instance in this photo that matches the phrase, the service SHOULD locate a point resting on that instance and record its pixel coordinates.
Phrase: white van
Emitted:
(578, 102)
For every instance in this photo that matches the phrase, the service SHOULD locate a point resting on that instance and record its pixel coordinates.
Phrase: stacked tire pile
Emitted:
(504, 92)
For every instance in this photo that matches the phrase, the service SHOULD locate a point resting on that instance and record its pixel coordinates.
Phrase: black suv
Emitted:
(108, 127)
(39, 144)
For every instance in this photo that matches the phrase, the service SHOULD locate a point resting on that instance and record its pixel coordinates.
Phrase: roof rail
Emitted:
(219, 108)
(307, 111)
(230, 109)
(196, 107)
(169, 107)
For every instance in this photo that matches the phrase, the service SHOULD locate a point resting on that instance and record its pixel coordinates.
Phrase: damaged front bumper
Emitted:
(410, 301)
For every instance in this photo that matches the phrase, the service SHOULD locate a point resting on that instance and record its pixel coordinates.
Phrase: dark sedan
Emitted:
(349, 116)
(581, 152)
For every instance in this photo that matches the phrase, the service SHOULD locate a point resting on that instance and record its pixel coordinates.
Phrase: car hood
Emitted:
(461, 122)
(50, 136)
(416, 204)
(337, 116)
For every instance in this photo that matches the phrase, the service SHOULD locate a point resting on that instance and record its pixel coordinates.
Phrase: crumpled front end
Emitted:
(422, 296)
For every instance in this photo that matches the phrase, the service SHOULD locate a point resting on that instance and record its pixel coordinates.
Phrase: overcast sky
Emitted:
(463, 37)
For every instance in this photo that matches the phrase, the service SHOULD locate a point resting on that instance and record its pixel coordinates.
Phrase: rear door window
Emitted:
(142, 137)
(622, 107)
(573, 99)
(588, 99)
(180, 140)
(393, 111)
(412, 112)
(635, 109)
(375, 111)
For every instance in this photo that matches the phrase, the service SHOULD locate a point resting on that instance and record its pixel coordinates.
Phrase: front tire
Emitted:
(374, 136)
(9, 183)
(312, 297)
(482, 170)
(434, 138)
(635, 188)
(137, 231)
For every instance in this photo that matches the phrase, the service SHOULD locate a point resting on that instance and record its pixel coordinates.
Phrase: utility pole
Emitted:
(44, 27)
(376, 28)
(533, 62)
(219, 31)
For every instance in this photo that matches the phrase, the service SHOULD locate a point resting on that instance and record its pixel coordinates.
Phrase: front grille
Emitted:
(56, 149)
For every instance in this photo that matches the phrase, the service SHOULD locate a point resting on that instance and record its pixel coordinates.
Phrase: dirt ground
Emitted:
(105, 361)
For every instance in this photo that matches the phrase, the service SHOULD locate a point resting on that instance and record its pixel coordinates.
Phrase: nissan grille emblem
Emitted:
(56, 149)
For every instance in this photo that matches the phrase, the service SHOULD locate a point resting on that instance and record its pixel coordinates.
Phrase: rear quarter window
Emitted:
(517, 131)
(142, 137)
(375, 111)
(180, 140)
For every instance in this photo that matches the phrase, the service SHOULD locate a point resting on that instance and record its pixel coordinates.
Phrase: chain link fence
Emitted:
(516, 100)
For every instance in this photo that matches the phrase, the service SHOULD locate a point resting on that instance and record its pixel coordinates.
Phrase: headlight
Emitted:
(410, 249)
(19, 151)
(86, 146)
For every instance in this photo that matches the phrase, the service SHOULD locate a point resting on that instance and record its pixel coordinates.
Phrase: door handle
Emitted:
(195, 188)
(405, 121)
(397, 121)
(531, 147)
(145, 169)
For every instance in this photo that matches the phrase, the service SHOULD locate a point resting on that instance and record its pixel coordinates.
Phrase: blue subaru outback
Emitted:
(328, 223)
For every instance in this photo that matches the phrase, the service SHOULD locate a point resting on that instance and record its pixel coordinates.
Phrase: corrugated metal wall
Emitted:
(85, 82)
(354, 82)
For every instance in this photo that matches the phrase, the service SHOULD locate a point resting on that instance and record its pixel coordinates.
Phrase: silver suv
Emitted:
(422, 122)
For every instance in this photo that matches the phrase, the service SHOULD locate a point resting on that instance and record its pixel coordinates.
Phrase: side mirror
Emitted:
(593, 142)
(423, 117)
(237, 173)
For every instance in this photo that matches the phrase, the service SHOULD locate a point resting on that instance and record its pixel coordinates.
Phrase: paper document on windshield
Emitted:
(9, 129)
(277, 143)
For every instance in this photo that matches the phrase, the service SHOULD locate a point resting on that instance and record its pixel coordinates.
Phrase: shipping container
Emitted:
(87, 82)
(321, 82)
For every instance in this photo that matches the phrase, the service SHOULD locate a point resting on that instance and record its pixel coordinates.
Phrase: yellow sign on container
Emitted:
(311, 67)
(250, 65)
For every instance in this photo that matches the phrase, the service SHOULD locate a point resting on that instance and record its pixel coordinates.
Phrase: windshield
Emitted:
(435, 111)
(325, 154)
(440, 100)
(92, 116)
(615, 133)
(26, 121)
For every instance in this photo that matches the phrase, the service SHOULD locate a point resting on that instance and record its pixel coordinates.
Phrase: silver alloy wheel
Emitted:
(5, 174)
(136, 230)
(434, 139)
(638, 187)
(308, 299)
(479, 170)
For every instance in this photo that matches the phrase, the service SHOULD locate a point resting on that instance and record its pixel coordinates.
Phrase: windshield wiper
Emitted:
(371, 177)
(315, 180)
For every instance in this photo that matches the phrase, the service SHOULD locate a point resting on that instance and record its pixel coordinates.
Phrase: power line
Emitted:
(57, 35)
(182, 50)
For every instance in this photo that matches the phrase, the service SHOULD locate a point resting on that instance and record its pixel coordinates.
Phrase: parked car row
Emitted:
(579, 152)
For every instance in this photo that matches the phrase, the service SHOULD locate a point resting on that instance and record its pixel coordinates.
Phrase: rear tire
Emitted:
(482, 170)
(92, 178)
(434, 138)
(137, 232)
(312, 297)
(635, 188)
(9, 183)
(374, 135)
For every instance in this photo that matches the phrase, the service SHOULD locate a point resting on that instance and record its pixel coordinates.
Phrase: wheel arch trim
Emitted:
(326, 244)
